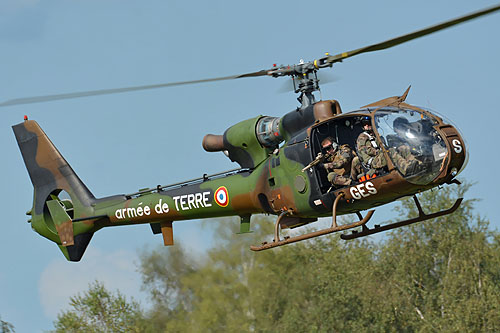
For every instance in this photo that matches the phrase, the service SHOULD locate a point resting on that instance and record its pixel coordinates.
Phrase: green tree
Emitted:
(6, 327)
(443, 274)
(163, 271)
(99, 310)
(296, 287)
(208, 294)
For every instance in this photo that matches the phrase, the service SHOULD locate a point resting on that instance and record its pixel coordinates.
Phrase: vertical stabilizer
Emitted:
(50, 174)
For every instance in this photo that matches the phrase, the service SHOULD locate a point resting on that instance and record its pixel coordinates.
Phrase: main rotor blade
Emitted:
(48, 98)
(405, 38)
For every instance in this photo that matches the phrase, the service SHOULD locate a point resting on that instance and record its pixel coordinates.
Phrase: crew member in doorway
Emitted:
(338, 163)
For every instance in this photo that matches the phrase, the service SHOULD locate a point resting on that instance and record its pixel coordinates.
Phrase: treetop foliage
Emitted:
(6, 327)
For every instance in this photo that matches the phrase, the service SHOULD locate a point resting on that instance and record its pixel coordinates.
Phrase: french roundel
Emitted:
(221, 196)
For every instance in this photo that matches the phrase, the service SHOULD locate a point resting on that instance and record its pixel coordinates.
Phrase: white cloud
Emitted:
(61, 279)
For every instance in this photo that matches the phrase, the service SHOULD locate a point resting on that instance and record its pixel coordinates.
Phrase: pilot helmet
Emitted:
(366, 120)
(400, 123)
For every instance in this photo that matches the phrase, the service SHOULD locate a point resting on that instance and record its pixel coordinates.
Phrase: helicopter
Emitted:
(275, 174)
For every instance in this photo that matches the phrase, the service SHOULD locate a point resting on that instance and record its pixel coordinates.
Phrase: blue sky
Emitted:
(120, 143)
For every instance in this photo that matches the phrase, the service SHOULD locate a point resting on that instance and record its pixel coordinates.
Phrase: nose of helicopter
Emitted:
(465, 160)
(458, 151)
(443, 159)
(425, 148)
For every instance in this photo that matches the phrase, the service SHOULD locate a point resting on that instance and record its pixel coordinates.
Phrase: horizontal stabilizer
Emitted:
(62, 221)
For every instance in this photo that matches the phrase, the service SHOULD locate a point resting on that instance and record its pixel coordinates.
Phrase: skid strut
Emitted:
(334, 228)
(421, 217)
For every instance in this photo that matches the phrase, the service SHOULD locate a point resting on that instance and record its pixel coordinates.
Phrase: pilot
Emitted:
(401, 150)
(338, 163)
(401, 126)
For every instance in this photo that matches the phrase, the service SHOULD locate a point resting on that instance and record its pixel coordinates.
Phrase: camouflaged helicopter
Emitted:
(278, 174)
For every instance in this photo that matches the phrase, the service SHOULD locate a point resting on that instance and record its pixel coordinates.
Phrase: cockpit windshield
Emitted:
(414, 146)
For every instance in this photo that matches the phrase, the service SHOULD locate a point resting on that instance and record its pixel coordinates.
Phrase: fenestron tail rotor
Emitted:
(305, 84)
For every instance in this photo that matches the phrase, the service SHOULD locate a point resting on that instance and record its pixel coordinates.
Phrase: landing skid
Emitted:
(421, 217)
(334, 228)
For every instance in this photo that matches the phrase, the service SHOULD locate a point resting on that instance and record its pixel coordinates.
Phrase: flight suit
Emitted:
(338, 166)
(401, 155)
(404, 159)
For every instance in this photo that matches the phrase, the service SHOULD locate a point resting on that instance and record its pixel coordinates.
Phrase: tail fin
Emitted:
(50, 174)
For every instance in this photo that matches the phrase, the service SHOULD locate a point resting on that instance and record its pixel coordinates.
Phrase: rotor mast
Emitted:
(305, 79)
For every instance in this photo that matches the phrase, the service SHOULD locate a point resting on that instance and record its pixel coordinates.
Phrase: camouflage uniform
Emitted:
(402, 156)
(404, 159)
(369, 152)
(356, 168)
(338, 166)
